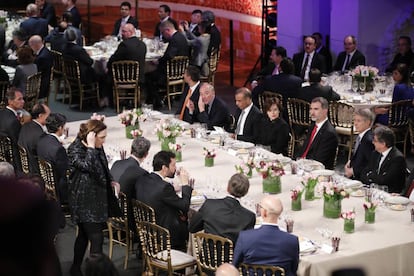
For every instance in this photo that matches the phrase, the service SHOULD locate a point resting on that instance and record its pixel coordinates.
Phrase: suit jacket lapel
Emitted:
(387, 161)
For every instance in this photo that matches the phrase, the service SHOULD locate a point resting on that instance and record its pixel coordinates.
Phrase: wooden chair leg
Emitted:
(111, 244)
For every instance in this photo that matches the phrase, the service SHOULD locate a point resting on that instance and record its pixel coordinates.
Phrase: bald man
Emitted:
(44, 62)
(267, 244)
(227, 269)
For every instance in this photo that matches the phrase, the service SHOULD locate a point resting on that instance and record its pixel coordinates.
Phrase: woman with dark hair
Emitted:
(25, 68)
(91, 198)
(272, 130)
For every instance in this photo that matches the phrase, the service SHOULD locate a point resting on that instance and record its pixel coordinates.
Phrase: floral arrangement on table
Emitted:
(177, 149)
(370, 211)
(371, 206)
(271, 172)
(296, 196)
(350, 214)
(136, 132)
(349, 221)
(333, 195)
(362, 71)
(209, 155)
(167, 131)
(96, 116)
(246, 168)
(309, 182)
(130, 117)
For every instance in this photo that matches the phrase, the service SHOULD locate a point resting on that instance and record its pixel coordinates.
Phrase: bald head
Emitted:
(271, 208)
(35, 42)
(227, 269)
(128, 30)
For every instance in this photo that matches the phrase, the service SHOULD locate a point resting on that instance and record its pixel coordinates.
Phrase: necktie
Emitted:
(207, 108)
(379, 163)
(305, 65)
(238, 128)
(310, 141)
(185, 103)
(346, 63)
(357, 142)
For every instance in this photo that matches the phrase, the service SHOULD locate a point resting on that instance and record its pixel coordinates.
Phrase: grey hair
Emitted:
(70, 34)
(6, 169)
(366, 113)
(140, 147)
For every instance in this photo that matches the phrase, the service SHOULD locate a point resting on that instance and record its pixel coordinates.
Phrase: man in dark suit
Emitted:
(316, 89)
(44, 62)
(322, 50)
(308, 59)
(247, 115)
(170, 209)
(10, 122)
(268, 245)
(215, 35)
(50, 148)
(386, 165)
(164, 12)
(70, 6)
(351, 57)
(225, 217)
(405, 55)
(34, 25)
(31, 133)
(47, 11)
(361, 153)
(213, 111)
(193, 24)
(322, 141)
(273, 68)
(125, 19)
(188, 107)
(56, 37)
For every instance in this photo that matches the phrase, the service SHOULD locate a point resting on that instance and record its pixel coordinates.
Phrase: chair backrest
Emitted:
(142, 211)
(298, 111)
(72, 71)
(255, 270)
(4, 85)
(57, 61)
(266, 95)
(397, 115)
(176, 68)
(212, 250)
(46, 172)
(125, 72)
(32, 90)
(214, 60)
(24, 159)
(341, 115)
(6, 150)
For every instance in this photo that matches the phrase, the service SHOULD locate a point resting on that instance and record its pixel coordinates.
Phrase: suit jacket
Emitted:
(199, 45)
(10, 127)
(392, 172)
(157, 32)
(35, 26)
(50, 149)
(328, 58)
(250, 123)
(360, 158)
(407, 59)
(218, 116)
(269, 246)
(274, 134)
(44, 62)
(215, 39)
(318, 61)
(170, 209)
(76, 17)
(130, 49)
(323, 147)
(131, 20)
(29, 137)
(224, 217)
(119, 167)
(48, 13)
(308, 93)
(57, 40)
(76, 52)
(190, 118)
(357, 59)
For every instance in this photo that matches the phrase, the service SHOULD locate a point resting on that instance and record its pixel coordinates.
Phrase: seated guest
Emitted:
(386, 165)
(19, 38)
(125, 19)
(34, 25)
(349, 58)
(56, 37)
(47, 11)
(44, 62)
(308, 59)
(227, 269)
(188, 107)
(322, 141)
(247, 115)
(171, 210)
(268, 245)
(272, 130)
(6, 170)
(68, 18)
(164, 12)
(50, 148)
(25, 68)
(316, 89)
(70, 6)
(213, 111)
(322, 50)
(405, 54)
(10, 122)
(215, 35)
(402, 91)
(225, 216)
(31, 133)
(363, 147)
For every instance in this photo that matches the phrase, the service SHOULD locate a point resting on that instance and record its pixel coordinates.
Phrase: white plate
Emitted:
(243, 145)
(385, 100)
(353, 184)
(306, 246)
(358, 193)
(323, 172)
(197, 199)
(398, 200)
(356, 101)
(397, 207)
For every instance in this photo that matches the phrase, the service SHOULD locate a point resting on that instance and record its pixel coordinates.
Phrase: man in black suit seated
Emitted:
(247, 115)
(56, 38)
(405, 55)
(164, 12)
(322, 141)
(125, 19)
(363, 147)
(225, 216)
(308, 59)
(19, 39)
(351, 57)
(213, 111)
(188, 107)
(316, 89)
(215, 35)
(10, 122)
(322, 50)
(31, 133)
(50, 148)
(386, 165)
(44, 62)
(156, 190)
(47, 11)
(34, 25)
(70, 6)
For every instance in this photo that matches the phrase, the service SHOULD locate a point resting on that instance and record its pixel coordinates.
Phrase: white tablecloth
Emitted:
(382, 248)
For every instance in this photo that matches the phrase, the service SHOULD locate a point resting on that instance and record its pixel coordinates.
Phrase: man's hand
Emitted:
(201, 105)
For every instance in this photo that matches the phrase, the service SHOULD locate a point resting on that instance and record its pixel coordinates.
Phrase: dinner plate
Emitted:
(306, 246)
(356, 101)
(385, 100)
(397, 207)
(243, 145)
(323, 172)
(353, 184)
(358, 193)
(397, 200)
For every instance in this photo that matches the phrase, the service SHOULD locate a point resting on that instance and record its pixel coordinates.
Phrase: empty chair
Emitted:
(57, 76)
(398, 122)
(125, 74)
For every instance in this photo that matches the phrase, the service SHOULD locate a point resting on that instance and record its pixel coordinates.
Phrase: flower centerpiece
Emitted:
(246, 168)
(296, 196)
(349, 221)
(167, 131)
(370, 211)
(177, 149)
(364, 76)
(3, 16)
(309, 182)
(209, 156)
(96, 116)
(271, 172)
(332, 195)
(130, 118)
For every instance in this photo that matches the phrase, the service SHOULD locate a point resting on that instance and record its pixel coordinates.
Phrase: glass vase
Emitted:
(369, 216)
(128, 130)
(272, 185)
(310, 194)
(349, 225)
(209, 161)
(332, 207)
(297, 204)
(165, 143)
(178, 156)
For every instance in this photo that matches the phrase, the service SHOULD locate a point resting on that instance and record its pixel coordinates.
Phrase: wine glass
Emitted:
(362, 86)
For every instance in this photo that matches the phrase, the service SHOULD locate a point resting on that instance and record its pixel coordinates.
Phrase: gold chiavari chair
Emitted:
(6, 149)
(125, 74)
(299, 118)
(58, 77)
(46, 172)
(4, 85)
(212, 66)
(398, 121)
(24, 159)
(255, 270)
(32, 90)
